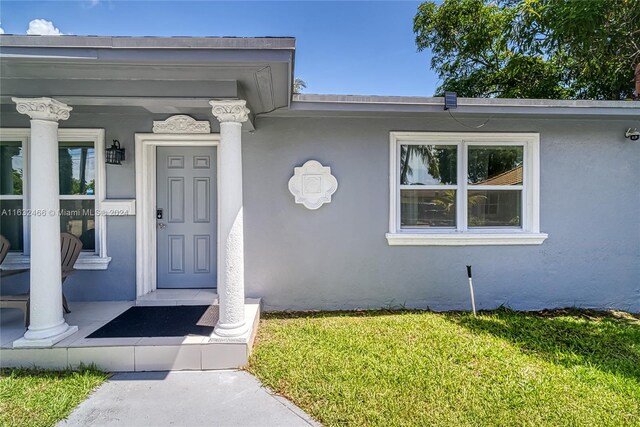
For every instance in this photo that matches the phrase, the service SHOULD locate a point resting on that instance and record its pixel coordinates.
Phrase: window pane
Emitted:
(11, 224)
(77, 168)
(427, 208)
(10, 167)
(428, 164)
(495, 165)
(495, 208)
(78, 218)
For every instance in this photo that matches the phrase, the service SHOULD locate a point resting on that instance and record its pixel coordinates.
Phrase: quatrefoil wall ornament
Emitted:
(312, 184)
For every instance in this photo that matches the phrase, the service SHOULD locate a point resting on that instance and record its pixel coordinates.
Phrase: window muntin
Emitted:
(493, 171)
(495, 177)
(428, 176)
(495, 189)
(78, 211)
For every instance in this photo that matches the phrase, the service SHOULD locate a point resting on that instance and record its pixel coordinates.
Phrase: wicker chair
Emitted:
(70, 247)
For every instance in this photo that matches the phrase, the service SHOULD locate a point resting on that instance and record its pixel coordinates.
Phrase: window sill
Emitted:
(86, 261)
(465, 239)
(92, 262)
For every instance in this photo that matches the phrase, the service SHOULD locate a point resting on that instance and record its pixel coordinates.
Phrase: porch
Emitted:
(157, 353)
(147, 95)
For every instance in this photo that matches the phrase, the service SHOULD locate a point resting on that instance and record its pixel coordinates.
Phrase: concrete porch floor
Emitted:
(130, 354)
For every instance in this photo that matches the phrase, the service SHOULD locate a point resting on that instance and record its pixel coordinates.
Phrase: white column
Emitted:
(47, 325)
(230, 114)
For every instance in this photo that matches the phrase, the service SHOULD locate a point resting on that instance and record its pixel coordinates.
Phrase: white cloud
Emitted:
(42, 27)
(1, 29)
(90, 4)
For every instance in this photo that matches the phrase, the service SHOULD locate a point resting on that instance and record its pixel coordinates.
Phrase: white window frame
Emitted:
(462, 235)
(97, 260)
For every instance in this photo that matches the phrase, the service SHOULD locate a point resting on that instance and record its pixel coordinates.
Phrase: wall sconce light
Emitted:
(114, 155)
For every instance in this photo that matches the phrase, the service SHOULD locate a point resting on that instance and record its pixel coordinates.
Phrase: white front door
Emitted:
(186, 217)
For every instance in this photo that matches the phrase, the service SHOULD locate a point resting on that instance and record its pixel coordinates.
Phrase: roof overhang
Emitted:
(352, 106)
(170, 75)
(155, 74)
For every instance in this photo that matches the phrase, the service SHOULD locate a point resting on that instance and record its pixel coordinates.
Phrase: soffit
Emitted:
(166, 80)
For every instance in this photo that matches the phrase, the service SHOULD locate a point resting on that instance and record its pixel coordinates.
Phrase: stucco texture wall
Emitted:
(337, 257)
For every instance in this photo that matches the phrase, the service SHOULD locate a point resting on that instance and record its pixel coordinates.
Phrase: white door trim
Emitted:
(145, 153)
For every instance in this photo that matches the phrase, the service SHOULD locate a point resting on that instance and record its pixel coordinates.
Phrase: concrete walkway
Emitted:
(209, 398)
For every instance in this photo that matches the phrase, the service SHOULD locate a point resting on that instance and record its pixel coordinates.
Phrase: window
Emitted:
(12, 192)
(82, 183)
(77, 166)
(464, 189)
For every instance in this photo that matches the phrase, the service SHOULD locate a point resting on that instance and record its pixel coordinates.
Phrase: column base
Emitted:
(25, 342)
(231, 330)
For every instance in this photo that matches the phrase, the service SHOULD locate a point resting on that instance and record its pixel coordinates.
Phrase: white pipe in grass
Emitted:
(473, 300)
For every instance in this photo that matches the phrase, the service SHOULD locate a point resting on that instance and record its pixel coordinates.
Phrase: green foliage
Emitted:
(17, 181)
(409, 368)
(485, 163)
(429, 155)
(560, 49)
(298, 86)
(68, 183)
(10, 175)
(32, 397)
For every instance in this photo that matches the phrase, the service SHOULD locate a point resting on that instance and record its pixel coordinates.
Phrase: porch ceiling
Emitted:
(160, 75)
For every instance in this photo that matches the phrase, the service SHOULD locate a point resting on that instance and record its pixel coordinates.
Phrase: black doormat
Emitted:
(161, 321)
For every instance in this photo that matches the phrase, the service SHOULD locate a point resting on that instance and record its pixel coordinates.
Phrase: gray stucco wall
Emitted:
(118, 282)
(337, 257)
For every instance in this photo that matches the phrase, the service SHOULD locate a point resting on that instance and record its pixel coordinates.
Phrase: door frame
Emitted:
(145, 164)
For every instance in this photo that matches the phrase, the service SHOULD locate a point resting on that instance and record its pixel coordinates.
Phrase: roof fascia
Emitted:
(112, 42)
(592, 108)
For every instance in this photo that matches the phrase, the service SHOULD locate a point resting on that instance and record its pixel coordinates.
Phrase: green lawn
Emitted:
(388, 368)
(42, 398)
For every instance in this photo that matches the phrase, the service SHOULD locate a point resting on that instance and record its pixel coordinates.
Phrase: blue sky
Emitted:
(362, 47)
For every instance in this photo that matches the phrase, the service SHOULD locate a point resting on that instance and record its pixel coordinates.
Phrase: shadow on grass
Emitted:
(36, 372)
(568, 337)
(608, 341)
(312, 314)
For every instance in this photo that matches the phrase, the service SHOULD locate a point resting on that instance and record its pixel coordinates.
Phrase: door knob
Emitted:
(162, 225)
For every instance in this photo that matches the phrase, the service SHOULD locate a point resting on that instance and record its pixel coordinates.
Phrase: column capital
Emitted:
(42, 108)
(229, 110)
